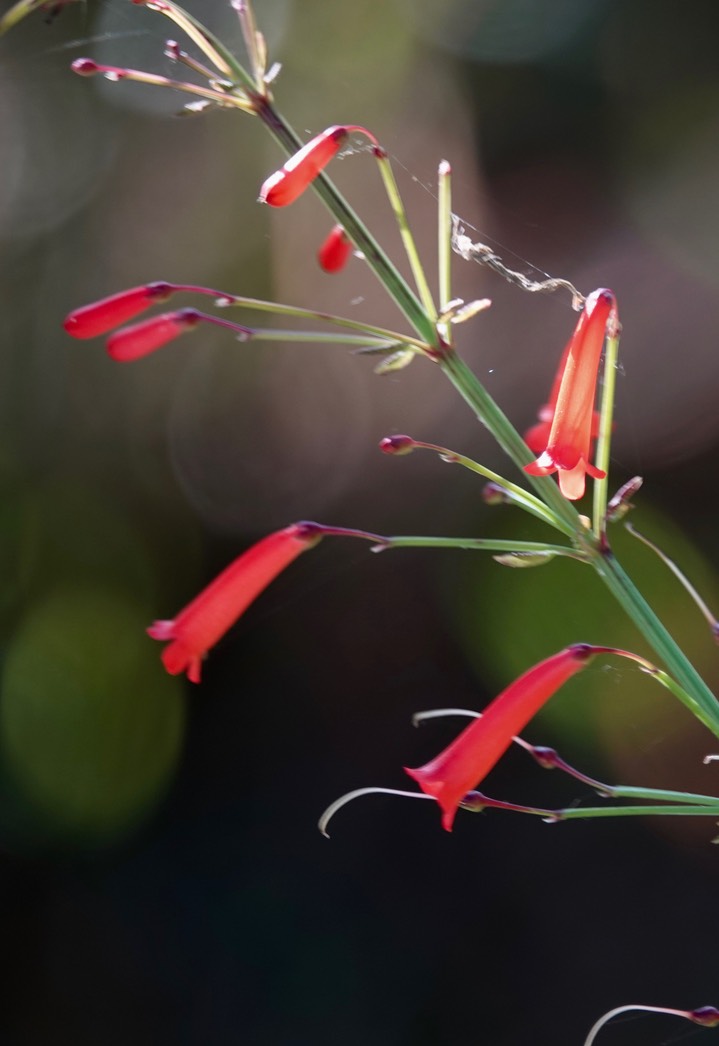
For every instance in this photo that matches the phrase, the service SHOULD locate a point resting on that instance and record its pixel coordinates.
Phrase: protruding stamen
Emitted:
(712, 621)
(706, 1016)
(349, 796)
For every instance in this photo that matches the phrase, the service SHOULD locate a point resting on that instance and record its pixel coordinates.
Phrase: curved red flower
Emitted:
(206, 619)
(470, 757)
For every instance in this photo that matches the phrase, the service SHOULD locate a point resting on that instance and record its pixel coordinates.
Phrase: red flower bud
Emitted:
(397, 445)
(570, 434)
(206, 619)
(132, 343)
(335, 251)
(470, 757)
(101, 316)
(284, 186)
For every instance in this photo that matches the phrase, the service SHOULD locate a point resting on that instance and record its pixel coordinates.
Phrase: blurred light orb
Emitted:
(91, 727)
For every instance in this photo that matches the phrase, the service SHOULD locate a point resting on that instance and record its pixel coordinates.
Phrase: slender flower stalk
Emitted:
(402, 445)
(115, 73)
(206, 619)
(469, 758)
(568, 445)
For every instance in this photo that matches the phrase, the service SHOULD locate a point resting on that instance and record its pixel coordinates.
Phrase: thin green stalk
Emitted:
(318, 337)
(661, 795)
(400, 216)
(622, 587)
(604, 439)
(236, 301)
(444, 237)
(520, 497)
(576, 813)
(483, 544)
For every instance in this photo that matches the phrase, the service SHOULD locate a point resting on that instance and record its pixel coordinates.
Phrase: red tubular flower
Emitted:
(132, 343)
(206, 619)
(537, 437)
(335, 251)
(470, 757)
(101, 316)
(284, 186)
(570, 434)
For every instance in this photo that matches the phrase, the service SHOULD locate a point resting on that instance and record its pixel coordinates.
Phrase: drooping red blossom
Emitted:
(568, 443)
(206, 619)
(335, 251)
(101, 316)
(140, 339)
(284, 186)
(469, 758)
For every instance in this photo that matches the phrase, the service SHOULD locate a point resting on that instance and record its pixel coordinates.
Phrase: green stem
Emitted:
(321, 337)
(237, 301)
(577, 812)
(400, 216)
(482, 544)
(473, 392)
(676, 661)
(604, 440)
(444, 237)
(661, 795)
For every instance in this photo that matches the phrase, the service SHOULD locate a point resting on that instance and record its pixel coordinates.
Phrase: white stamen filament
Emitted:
(596, 1028)
(349, 796)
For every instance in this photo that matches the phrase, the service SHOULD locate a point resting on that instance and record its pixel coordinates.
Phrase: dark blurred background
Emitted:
(162, 880)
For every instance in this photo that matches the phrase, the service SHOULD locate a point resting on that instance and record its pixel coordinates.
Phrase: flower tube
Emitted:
(469, 758)
(101, 316)
(206, 619)
(568, 443)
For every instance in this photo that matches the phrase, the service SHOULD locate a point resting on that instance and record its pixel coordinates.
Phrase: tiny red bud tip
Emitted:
(85, 67)
(706, 1016)
(335, 251)
(397, 445)
(493, 494)
(546, 757)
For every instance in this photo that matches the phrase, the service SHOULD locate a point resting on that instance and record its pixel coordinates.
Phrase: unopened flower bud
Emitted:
(284, 186)
(335, 251)
(397, 445)
(101, 316)
(524, 559)
(493, 494)
(85, 67)
(132, 343)
(706, 1016)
